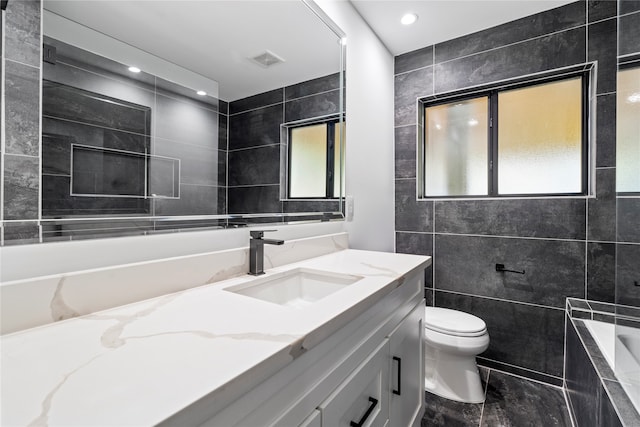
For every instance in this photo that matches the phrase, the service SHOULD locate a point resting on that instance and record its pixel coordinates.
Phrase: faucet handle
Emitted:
(259, 234)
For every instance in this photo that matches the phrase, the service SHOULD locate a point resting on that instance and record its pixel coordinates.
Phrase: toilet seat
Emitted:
(453, 322)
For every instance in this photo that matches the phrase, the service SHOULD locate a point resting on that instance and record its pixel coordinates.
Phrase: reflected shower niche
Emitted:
(96, 156)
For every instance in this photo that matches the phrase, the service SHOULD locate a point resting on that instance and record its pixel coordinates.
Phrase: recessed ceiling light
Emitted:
(201, 93)
(472, 122)
(134, 69)
(343, 41)
(409, 18)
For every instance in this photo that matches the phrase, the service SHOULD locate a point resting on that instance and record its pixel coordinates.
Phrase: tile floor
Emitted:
(510, 402)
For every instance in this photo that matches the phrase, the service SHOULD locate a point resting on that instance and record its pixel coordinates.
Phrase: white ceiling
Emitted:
(441, 20)
(215, 38)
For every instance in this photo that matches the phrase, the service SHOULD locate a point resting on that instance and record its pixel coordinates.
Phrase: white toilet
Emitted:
(452, 340)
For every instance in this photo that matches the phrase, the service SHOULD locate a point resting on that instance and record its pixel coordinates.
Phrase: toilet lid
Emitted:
(453, 322)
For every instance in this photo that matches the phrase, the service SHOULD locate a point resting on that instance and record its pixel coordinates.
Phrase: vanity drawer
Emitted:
(363, 398)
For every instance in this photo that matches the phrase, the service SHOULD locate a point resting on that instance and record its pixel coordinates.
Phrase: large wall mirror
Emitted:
(167, 115)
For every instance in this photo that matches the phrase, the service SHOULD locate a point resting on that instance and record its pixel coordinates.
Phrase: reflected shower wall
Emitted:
(99, 120)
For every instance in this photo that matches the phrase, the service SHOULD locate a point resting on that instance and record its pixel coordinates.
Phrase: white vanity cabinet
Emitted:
(367, 373)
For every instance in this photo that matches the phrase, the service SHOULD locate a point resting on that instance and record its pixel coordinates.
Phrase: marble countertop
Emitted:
(144, 362)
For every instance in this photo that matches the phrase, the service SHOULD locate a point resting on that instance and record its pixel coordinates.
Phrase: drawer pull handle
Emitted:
(399, 390)
(374, 402)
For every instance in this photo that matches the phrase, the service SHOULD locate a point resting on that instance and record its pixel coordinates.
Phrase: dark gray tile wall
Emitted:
(565, 246)
(254, 145)
(595, 396)
(21, 58)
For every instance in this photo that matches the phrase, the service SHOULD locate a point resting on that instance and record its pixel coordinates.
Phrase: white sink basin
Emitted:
(295, 288)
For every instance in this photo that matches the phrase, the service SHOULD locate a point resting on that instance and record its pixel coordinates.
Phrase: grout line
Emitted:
(486, 389)
(523, 377)
(254, 147)
(553, 239)
(549, 307)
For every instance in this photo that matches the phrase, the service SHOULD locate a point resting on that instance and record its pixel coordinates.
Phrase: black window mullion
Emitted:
(493, 143)
(330, 158)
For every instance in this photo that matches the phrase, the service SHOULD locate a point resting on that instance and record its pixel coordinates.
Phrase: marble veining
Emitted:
(60, 310)
(115, 372)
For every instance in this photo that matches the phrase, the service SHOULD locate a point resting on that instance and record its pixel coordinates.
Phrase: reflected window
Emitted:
(628, 131)
(315, 161)
(523, 140)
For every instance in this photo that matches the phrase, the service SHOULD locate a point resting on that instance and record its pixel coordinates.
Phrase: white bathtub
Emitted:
(620, 345)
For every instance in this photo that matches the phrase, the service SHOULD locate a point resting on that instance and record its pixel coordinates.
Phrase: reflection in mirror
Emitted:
(143, 131)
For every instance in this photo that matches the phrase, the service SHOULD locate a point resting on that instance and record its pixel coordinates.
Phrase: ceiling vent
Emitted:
(267, 59)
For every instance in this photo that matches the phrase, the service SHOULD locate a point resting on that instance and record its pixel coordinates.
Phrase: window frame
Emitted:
(331, 123)
(491, 92)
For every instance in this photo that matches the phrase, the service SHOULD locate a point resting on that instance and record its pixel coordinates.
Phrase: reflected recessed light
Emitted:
(472, 122)
(343, 41)
(634, 97)
(134, 69)
(438, 127)
(409, 18)
(201, 93)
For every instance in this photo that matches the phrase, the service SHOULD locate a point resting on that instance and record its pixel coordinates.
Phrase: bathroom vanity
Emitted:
(334, 340)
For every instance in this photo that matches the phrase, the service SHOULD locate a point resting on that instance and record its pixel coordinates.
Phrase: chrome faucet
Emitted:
(256, 250)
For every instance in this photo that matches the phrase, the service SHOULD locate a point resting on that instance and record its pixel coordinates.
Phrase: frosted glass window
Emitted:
(308, 161)
(518, 139)
(456, 148)
(540, 139)
(628, 131)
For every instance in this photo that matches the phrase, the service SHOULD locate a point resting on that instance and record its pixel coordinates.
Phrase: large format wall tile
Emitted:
(321, 104)
(602, 209)
(554, 268)
(254, 199)
(545, 53)
(411, 214)
(255, 166)
(601, 271)
(523, 335)
(408, 87)
(582, 382)
(629, 36)
(561, 218)
(606, 131)
(601, 9)
(22, 39)
(312, 87)
(602, 36)
(628, 274)
(413, 60)
(20, 233)
(628, 210)
(417, 244)
(21, 181)
(628, 6)
(260, 100)
(405, 151)
(562, 18)
(22, 119)
(255, 127)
